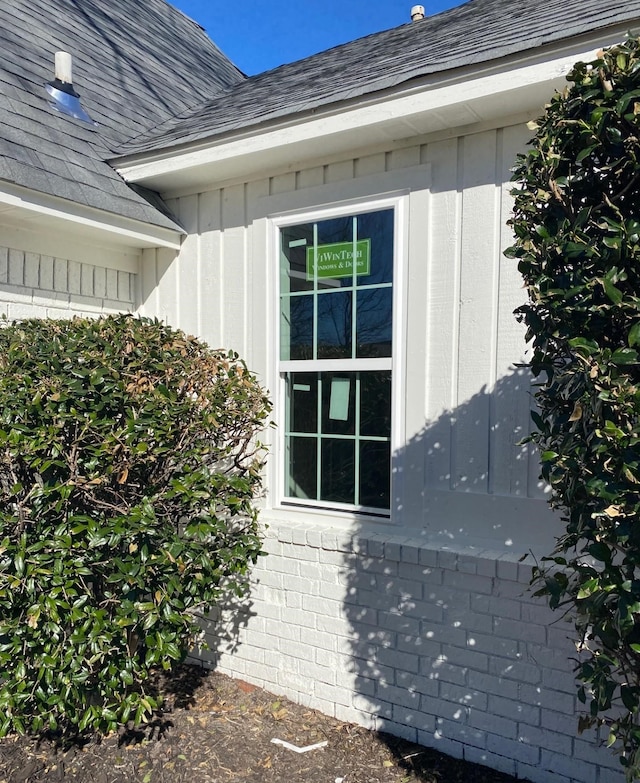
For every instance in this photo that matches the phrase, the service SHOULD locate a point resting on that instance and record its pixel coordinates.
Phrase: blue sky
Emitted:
(259, 36)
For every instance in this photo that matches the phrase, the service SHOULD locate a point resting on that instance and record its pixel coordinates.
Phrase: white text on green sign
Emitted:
(336, 260)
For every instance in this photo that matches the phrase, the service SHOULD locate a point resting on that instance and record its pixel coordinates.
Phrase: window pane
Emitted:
(338, 471)
(338, 403)
(378, 228)
(373, 329)
(375, 474)
(332, 236)
(338, 229)
(320, 256)
(293, 268)
(375, 404)
(296, 333)
(334, 325)
(303, 402)
(340, 410)
(302, 467)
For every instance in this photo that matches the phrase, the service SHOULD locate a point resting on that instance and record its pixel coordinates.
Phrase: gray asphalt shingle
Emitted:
(135, 65)
(477, 32)
(153, 80)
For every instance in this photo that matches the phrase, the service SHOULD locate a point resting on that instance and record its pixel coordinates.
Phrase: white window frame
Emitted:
(394, 363)
(407, 192)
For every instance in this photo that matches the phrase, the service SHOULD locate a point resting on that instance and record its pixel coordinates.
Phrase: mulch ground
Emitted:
(218, 730)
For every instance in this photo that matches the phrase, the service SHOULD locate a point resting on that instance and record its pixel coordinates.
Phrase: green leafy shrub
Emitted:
(577, 227)
(128, 469)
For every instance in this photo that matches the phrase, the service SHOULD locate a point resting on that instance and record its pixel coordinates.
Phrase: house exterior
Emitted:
(339, 222)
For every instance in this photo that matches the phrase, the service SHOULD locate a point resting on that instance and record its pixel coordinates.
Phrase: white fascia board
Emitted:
(24, 206)
(476, 94)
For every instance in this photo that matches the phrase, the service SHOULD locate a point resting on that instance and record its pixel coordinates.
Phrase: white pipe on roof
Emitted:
(64, 67)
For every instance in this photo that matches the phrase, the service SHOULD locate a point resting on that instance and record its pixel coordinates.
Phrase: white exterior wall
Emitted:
(421, 626)
(33, 285)
(466, 479)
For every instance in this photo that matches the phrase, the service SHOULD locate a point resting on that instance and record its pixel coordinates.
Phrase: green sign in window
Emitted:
(336, 259)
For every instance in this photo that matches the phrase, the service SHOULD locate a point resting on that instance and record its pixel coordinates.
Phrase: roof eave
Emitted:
(454, 98)
(21, 206)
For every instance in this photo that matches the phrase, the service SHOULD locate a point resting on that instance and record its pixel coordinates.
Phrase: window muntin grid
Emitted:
(321, 316)
(338, 420)
(337, 437)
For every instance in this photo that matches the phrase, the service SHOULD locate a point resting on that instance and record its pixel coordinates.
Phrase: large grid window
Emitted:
(336, 299)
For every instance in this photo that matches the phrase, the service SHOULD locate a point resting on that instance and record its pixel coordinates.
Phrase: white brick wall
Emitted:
(444, 648)
(37, 286)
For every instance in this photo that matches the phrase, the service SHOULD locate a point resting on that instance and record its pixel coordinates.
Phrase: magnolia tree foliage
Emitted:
(128, 469)
(577, 227)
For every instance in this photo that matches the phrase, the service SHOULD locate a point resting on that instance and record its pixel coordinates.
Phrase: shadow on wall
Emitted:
(445, 645)
(424, 628)
(223, 626)
(467, 478)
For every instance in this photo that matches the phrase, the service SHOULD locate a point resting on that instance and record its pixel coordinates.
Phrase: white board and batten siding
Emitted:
(466, 406)
(37, 285)
(47, 271)
(421, 626)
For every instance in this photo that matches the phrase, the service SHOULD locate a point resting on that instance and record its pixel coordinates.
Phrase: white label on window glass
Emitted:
(339, 403)
(297, 242)
(301, 387)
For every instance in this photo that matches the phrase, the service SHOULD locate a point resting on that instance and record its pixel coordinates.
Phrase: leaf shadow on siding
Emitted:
(414, 664)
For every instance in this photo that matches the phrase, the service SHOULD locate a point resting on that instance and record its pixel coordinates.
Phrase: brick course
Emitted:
(442, 647)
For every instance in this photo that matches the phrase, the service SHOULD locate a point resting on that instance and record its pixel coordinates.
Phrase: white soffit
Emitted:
(21, 207)
(480, 94)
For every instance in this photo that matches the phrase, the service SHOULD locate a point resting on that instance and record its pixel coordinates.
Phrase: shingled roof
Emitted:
(153, 81)
(136, 63)
(477, 32)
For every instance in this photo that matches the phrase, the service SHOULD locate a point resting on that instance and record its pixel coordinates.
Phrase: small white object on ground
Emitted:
(295, 749)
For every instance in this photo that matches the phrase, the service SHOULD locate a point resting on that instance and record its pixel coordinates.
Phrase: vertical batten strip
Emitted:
(222, 273)
(456, 315)
(477, 302)
(199, 270)
(262, 300)
(246, 275)
(494, 425)
(510, 461)
(210, 254)
(187, 292)
(442, 286)
(233, 220)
